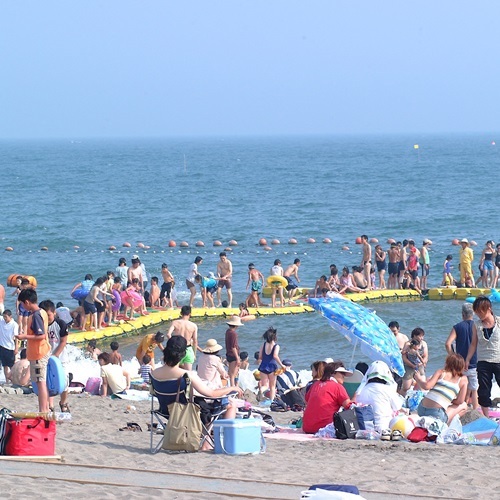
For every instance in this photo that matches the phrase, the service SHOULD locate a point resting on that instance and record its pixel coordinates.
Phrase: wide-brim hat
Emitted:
(234, 321)
(212, 346)
(464, 240)
(341, 369)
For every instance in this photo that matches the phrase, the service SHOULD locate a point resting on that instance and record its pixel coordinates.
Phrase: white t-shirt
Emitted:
(64, 314)
(276, 271)
(115, 378)
(7, 332)
(193, 271)
(384, 400)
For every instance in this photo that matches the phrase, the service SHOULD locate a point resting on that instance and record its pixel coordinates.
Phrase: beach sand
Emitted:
(98, 459)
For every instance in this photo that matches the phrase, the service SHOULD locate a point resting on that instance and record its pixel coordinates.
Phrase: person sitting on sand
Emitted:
(317, 369)
(210, 367)
(447, 390)
(173, 353)
(19, 375)
(325, 398)
(379, 390)
(115, 379)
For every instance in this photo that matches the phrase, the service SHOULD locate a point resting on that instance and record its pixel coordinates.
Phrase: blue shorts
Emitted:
(488, 265)
(438, 413)
(425, 269)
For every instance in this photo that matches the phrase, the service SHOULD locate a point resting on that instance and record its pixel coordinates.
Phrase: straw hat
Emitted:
(234, 321)
(212, 346)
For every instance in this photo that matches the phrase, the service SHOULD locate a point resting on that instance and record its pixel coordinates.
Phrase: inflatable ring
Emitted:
(277, 281)
(131, 298)
(12, 280)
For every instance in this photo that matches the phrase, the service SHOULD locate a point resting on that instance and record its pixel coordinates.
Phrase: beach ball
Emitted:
(327, 240)
(310, 240)
(172, 243)
(275, 242)
(127, 244)
(263, 242)
(217, 243)
(184, 244)
(359, 240)
(256, 375)
(455, 242)
(292, 241)
(403, 423)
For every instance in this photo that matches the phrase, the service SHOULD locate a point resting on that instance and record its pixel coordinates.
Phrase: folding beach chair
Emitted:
(166, 392)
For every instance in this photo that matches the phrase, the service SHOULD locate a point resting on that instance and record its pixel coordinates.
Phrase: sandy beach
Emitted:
(97, 457)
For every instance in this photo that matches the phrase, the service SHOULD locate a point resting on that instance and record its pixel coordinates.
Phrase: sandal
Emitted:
(64, 407)
(131, 426)
(386, 435)
(396, 435)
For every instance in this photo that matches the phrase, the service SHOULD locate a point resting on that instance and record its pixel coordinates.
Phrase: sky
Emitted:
(162, 68)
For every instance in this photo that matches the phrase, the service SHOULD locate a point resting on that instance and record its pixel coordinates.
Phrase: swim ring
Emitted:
(131, 298)
(12, 280)
(117, 303)
(277, 281)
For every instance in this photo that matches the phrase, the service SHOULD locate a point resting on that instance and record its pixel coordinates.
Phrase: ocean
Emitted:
(79, 197)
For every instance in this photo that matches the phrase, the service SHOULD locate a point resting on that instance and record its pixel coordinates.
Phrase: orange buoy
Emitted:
(184, 244)
(455, 242)
(292, 241)
(391, 241)
(172, 243)
(275, 242)
(76, 247)
(9, 249)
(267, 248)
(112, 247)
(263, 242)
(140, 245)
(327, 240)
(473, 243)
(310, 240)
(233, 243)
(359, 240)
(217, 243)
(12, 280)
(44, 249)
(345, 248)
(146, 247)
(373, 240)
(228, 249)
(200, 243)
(127, 244)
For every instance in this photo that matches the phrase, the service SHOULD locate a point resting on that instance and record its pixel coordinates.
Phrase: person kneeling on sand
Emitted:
(19, 375)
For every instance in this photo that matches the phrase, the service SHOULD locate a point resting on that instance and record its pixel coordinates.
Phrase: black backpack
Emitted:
(346, 424)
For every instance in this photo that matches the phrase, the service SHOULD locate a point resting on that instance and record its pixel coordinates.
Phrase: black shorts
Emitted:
(100, 307)
(7, 357)
(230, 359)
(393, 268)
(414, 274)
(89, 307)
(166, 288)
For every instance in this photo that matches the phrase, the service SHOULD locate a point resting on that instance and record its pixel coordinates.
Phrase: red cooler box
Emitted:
(30, 437)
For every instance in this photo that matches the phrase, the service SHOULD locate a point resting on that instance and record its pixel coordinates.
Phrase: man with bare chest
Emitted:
(225, 274)
(189, 330)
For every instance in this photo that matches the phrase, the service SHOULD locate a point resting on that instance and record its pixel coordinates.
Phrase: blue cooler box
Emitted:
(238, 436)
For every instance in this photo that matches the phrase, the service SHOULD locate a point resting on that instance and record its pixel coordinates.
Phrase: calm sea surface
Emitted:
(94, 194)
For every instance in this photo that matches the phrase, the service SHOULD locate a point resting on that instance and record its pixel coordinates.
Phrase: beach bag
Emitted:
(364, 414)
(93, 386)
(30, 437)
(279, 405)
(184, 428)
(4, 416)
(419, 434)
(346, 424)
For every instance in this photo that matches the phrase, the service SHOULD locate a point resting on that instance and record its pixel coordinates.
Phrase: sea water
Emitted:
(79, 197)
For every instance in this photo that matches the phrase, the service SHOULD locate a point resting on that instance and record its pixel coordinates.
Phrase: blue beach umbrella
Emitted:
(362, 326)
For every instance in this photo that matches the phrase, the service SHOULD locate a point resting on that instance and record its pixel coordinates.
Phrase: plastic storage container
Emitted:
(238, 436)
